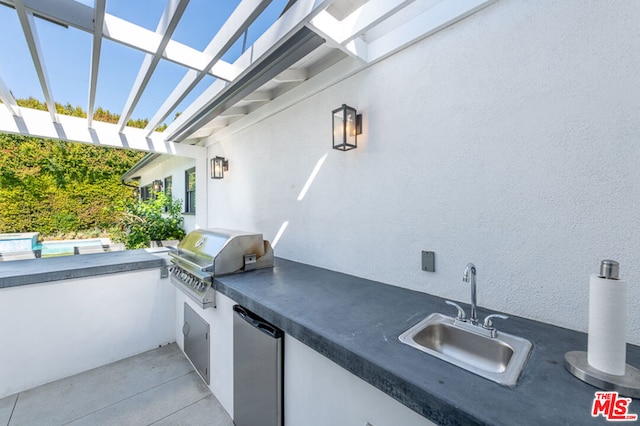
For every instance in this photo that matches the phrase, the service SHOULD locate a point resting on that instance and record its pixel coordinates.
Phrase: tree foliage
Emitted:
(143, 221)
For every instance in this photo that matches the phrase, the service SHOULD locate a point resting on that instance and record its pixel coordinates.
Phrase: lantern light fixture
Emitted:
(157, 185)
(347, 125)
(219, 165)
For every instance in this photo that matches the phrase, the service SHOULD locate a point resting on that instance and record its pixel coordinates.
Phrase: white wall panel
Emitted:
(57, 329)
(508, 140)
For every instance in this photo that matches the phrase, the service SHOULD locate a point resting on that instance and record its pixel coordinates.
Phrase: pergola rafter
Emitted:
(31, 36)
(74, 14)
(239, 21)
(289, 23)
(8, 100)
(99, 8)
(168, 23)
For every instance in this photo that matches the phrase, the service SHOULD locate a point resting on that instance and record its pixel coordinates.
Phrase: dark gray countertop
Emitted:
(33, 271)
(356, 323)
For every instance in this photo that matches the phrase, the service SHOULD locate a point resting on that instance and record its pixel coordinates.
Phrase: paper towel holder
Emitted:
(627, 385)
(577, 362)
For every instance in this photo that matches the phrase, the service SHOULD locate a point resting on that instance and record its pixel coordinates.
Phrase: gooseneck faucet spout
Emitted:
(470, 277)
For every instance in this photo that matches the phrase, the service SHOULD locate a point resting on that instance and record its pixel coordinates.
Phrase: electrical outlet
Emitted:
(428, 261)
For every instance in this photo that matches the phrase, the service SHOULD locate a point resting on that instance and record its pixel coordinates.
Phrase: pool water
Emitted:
(63, 248)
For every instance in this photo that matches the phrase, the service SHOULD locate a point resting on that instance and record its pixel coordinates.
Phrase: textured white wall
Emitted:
(509, 140)
(54, 330)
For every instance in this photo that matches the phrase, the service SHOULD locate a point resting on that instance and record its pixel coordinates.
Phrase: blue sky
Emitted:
(67, 54)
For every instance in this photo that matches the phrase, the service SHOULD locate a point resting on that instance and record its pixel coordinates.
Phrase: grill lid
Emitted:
(223, 251)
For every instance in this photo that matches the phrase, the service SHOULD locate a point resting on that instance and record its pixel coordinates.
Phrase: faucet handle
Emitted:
(461, 315)
(488, 324)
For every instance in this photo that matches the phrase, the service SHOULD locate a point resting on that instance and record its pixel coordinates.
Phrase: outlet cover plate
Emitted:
(428, 261)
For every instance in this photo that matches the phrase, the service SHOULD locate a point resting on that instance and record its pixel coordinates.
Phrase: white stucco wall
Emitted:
(54, 330)
(508, 140)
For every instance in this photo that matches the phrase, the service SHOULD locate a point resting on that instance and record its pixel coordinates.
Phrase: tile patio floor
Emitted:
(159, 387)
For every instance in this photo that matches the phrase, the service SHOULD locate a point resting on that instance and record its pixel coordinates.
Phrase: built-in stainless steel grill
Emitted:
(208, 253)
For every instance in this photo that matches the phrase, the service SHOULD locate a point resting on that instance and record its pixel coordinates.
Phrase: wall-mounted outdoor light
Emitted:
(157, 185)
(218, 166)
(347, 124)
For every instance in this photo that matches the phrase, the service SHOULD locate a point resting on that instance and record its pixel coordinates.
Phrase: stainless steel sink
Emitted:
(500, 358)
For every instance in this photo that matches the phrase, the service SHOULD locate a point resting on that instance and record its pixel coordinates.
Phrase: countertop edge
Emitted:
(36, 271)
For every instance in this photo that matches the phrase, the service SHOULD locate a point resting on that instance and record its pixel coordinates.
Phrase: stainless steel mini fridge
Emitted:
(257, 370)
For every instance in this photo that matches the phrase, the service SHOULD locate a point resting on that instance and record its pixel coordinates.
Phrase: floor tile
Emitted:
(151, 405)
(6, 407)
(76, 396)
(207, 411)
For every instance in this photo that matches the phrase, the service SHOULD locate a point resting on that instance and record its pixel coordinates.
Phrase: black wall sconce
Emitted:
(218, 166)
(157, 185)
(347, 125)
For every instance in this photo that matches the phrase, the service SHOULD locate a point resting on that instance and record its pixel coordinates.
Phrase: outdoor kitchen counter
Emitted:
(34, 271)
(356, 322)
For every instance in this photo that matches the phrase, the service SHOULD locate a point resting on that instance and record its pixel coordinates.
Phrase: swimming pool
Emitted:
(63, 248)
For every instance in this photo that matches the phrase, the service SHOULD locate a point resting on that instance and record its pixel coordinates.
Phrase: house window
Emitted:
(145, 192)
(168, 187)
(190, 191)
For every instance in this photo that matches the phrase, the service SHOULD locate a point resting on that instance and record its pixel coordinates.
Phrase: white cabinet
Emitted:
(319, 392)
(220, 322)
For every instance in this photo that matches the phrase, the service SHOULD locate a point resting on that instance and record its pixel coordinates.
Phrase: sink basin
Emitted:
(500, 358)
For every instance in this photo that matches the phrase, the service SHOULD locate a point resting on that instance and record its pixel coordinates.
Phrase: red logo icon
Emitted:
(612, 407)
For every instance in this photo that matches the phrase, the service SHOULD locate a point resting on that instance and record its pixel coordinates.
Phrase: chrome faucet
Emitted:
(472, 324)
(470, 276)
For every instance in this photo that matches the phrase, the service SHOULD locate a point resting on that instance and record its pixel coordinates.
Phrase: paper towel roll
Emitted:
(607, 345)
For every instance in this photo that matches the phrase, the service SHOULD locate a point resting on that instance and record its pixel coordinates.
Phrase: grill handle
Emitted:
(179, 259)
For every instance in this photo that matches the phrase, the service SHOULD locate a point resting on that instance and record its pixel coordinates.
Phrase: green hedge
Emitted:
(52, 186)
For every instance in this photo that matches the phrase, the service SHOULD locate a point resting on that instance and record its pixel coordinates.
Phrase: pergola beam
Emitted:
(423, 25)
(167, 25)
(35, 123)
(8, 100)
(290, 22)
(99, 8)
(31, 36)
(74, 14)
(239, 21)
(344, 34)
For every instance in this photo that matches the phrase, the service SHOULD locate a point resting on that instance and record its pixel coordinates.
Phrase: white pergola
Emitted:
(323, 39)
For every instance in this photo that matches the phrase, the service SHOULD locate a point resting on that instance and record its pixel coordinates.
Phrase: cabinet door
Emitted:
(318, 392)
(196, 341)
